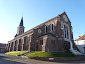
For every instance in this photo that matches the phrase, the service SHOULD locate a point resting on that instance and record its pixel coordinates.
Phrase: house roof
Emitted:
(2, 45)
(80, 38)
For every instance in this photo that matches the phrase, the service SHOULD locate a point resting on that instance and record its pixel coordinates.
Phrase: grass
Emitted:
(49, 54)
(16, 53)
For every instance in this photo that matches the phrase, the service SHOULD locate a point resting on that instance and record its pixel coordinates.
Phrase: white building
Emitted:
(80, 43)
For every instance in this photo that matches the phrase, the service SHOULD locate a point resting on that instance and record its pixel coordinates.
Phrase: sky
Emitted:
(35, 12)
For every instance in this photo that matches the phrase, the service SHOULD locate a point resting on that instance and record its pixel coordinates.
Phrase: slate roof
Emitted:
(21, 23)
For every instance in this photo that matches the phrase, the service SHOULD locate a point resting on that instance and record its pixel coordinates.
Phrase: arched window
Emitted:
(64, 27)
(41, 42)
(66, 32)
(52, 27)
(45, 29)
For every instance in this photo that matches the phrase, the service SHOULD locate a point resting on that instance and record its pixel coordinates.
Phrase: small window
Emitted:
(45, 29)
(52, 27)
(65, 31)
(41, 42)
(64, 27)
(67, 34)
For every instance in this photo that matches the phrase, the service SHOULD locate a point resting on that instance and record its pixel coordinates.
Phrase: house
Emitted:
(2, 48)
(80, 43)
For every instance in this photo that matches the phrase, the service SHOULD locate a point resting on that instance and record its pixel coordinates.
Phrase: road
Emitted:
(9, 59)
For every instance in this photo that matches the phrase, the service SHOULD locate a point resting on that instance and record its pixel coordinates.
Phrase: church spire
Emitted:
(21, 23)
(20, 29)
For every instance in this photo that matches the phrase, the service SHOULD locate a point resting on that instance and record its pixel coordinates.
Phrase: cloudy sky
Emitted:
(35, 12)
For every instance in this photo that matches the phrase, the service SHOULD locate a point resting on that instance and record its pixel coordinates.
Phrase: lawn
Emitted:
(49, 54)
(16, 53)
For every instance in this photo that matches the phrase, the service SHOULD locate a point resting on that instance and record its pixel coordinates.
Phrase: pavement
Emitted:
(9, 59)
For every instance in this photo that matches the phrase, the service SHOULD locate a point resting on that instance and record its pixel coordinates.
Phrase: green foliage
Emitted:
(16, 53)
(49, 54)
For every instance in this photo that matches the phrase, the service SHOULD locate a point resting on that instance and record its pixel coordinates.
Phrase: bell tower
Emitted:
(20, 29)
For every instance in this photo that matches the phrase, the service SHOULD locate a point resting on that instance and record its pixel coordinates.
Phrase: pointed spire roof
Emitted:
(21, 23)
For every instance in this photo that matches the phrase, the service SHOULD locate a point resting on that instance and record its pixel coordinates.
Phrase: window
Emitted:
(66, 32)
(64, 27)
(52, 27)
(41, 42)
(45, 29)
(2, 50)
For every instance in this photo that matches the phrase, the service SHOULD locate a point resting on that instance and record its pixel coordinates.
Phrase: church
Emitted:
(53, 35)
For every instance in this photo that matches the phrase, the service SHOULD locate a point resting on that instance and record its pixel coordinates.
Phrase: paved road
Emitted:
(9, 59)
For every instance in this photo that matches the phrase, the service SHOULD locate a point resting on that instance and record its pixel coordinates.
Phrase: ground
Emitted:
(9, 59)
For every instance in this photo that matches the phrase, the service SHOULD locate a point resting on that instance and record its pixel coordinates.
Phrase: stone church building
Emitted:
(53, 35)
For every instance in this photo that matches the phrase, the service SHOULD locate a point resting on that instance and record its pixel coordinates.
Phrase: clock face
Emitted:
(39, 31)
(65, 18)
